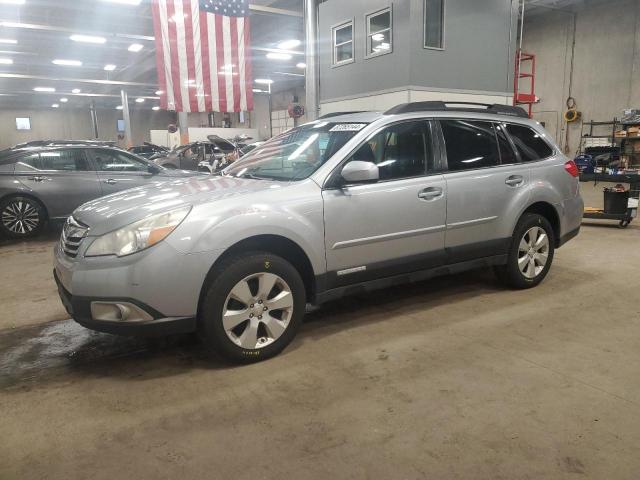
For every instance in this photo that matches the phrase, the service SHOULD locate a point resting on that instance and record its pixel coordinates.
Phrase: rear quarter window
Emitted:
(529, 143)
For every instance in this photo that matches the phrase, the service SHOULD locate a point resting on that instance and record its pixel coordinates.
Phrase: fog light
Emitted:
(118, 312)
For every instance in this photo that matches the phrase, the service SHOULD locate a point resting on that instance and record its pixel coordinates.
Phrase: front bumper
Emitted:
(80, 310)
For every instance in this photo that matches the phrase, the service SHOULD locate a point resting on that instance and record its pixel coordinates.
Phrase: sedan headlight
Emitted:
(139, 235)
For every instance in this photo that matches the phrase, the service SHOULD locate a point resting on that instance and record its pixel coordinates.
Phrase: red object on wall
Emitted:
(296, 111)
(525, 68)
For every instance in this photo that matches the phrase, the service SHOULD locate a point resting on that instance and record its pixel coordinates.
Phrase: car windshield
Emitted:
(296, 154)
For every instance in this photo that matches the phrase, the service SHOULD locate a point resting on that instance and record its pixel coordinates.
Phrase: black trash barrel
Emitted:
(615, 202)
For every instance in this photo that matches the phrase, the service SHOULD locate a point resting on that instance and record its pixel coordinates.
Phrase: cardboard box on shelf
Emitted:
(621, 134)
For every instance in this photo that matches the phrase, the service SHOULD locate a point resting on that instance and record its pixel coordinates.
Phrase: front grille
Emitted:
(72, 235)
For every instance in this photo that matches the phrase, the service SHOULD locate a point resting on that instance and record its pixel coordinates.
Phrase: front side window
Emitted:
(297, 153)
(434, 24)
(71, 160)
(379, 33)
(29, 163)
(343, 44)
(470, 144)
(112, 161)
(529, 143)
(400, 151)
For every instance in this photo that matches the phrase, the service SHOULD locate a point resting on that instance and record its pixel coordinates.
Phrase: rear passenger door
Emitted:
(62, 178)
(119, 170)
(486, 186)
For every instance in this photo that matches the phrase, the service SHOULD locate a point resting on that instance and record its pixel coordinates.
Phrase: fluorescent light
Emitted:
(125, 2)
(257, 90)
(289, 44)
(156, 108)
(8, 40)
(55, 105)
(301, 65)
(159, 92)
(64, 100)
(13, 2)
(110, 67)
(76, 90)
(139, 100)
(88, 39)
(44, 89)
(6, 61)
(264, 81)
(278, 56)
(135, 47)
(119, 107)
(67, 63)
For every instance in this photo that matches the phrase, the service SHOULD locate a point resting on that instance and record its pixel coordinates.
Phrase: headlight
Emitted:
(139, 235)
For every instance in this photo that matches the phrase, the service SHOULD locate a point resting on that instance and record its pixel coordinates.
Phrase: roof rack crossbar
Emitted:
(439, 106)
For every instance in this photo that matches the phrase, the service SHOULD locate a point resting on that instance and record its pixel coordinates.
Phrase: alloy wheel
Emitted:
(533, 252)
(20, 217)
(258, 310)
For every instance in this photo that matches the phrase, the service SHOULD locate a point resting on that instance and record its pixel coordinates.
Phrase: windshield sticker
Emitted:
(348, 127)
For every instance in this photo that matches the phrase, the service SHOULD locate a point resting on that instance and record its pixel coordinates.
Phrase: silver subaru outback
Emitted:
(345, 204)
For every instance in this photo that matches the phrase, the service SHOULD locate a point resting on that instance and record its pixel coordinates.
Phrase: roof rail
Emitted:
(437, 106)
(337, 114)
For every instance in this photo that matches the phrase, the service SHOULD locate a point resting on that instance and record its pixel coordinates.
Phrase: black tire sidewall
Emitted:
(512, 273)
(37, 205)
(224, 278)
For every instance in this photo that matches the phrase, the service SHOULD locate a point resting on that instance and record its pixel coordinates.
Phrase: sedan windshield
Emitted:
(296, 154)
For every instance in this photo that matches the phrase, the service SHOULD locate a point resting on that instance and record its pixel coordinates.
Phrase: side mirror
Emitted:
(360, 172)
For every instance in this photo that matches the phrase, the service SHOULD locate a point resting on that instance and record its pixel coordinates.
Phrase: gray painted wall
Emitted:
(606, 77)
(477, 56)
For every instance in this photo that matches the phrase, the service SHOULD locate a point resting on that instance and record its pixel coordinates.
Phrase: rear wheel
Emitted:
(21, 217)
(252, 307)
(530, 254)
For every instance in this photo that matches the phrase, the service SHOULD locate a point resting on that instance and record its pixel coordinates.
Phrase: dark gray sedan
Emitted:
(49, 182)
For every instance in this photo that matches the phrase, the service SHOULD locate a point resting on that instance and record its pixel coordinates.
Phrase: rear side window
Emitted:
(470, 144)
(71, 160)
(530, 145)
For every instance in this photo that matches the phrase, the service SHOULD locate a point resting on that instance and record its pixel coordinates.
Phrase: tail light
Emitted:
(572, 168)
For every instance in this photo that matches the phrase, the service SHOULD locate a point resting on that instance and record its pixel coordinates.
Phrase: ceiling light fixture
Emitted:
(119, 107)
(278, 56)
(67, 63)
(12, 2)
(159, 92)
(44, 89)
(156, 108)
(301, 65)
(289, 44)
(257, 90)
(87, 39)
(64, 100)
(110, 67)
(139, 100)
(264, 81)
(8, 40)
(76, 90)
(135, 47)
(125, 2)
(6, 61)
(55, 105)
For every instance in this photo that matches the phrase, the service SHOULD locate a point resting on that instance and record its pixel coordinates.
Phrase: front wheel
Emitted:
(530, 254)
(252, 307)
(21, 217)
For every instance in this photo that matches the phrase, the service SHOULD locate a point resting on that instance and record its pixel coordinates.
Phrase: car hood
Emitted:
(119, 209)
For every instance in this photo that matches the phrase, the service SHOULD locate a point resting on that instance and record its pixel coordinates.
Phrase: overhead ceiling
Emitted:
(539, 7)
(42, 30)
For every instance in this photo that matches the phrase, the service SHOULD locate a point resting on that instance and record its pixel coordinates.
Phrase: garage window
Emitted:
(343, 44)
(529, 143)
(379, 33)
(434, 24)
(470, 144)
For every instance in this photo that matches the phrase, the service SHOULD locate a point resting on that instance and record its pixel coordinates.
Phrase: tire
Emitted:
(252, 333)
(528, 262)
(21, 217)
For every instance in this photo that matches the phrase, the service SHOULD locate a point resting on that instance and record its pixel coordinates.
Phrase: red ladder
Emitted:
(524, 60)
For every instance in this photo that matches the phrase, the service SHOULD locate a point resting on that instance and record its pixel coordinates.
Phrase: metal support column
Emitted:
(94, 119)
(312, 78)
(126, 118)
(183, 126)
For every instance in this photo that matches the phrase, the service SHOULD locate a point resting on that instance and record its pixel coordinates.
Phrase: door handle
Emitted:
(110, 181)
(430, 193)
(37, 178)
(514, 180)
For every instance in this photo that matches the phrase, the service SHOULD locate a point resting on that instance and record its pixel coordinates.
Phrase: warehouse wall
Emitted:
(606, 73)
(70, 124)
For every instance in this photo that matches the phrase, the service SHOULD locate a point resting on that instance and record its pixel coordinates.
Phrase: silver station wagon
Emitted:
(345, 204)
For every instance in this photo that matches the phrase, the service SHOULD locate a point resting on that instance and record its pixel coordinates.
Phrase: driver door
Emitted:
(119, 170)
(395, 225)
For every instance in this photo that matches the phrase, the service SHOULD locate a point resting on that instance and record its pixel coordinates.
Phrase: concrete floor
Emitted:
(451, 378)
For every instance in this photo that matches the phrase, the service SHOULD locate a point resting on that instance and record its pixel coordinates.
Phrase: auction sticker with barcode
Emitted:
(348, 127)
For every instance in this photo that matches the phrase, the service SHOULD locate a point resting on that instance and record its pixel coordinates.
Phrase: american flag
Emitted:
(203, 55)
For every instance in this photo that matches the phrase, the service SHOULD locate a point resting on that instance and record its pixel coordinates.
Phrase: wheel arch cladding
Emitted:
(277, 245)
(549, 212)
(29, 196)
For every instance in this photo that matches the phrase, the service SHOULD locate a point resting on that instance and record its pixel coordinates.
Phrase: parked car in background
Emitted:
(47, 182)
(148, 150)
(190, 155)
(345, 204)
